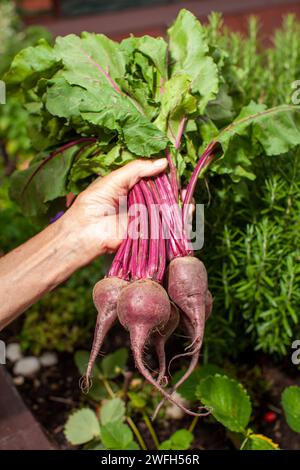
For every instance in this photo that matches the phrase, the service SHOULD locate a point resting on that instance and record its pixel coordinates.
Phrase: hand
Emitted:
(96, 214)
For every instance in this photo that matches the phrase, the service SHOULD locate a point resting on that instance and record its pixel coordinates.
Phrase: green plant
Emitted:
(15, 144)
(106, 386)
(120, 398)
(229, 403)
(64, 319)
(291, 406)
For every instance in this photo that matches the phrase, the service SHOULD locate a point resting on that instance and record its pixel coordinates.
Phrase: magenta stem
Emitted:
(178, 241)
(143, 233)
(117, 264)
(180, 133)
(72, 144)
(154, 219)
(57, 152)
(175, 183)
(165, 218)
(173, 174)
(205, 159)
(135, 246)
(128, 246)
(162, 254)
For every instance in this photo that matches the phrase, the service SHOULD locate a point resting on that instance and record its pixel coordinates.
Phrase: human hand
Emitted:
(96, 215)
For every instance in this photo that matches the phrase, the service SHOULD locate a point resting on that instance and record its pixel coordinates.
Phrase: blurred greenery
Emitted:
(65, 318)
(251, 247)
(15, 144)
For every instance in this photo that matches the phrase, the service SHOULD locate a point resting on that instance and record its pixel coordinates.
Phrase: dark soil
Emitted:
(55, 392)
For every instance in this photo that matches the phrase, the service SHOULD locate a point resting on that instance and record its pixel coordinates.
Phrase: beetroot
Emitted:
(159, 339)
(187, 287)
(105, 296)
(144, 307)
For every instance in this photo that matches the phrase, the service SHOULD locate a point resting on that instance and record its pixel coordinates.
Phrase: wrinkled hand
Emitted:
(96, 213)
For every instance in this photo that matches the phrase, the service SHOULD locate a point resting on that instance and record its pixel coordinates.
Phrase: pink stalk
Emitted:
(154, 229)
(57, 152)
(180, 132)
(175, 184)
(126, 258)
(128, 246)
(117, 264)
(135, 248)
(173, 174)
(144, 233)
(176, 231)
(168, 218)
(165, 218)
(162, 254)
(205, 159)
(120, 264)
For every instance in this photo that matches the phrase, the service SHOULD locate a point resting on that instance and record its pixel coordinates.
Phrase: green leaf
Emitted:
(188, 388)
(259, 442)
(95, 447)
(228, 399)
(136, 400)
(114, 363)
(112, 410)
(98, 391)
(176, 103)
(189, 52)
(31, 64)
(81, 359)
(275, 129)
(291, 405)
(105, 111)
(91, 60)
(116, 436)
(44, 181)
(180, 440)
(82, 426)
(257, 131)
(154, 48)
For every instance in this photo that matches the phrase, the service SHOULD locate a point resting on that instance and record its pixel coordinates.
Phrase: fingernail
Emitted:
(160, 163)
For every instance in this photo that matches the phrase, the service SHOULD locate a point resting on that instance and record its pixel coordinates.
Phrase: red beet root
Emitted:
(159, 340)
(187, 287)
(105, 296)
(144, 307)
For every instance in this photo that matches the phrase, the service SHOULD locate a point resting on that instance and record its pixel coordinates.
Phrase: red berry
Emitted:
(269, 417)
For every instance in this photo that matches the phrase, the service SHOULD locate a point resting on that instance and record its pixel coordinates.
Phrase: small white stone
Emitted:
(19, 380)
(173, 411)
(13, 352)
(27, 366)
(48, 359)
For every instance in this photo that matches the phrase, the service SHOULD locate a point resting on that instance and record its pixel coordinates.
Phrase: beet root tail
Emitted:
(138, 344)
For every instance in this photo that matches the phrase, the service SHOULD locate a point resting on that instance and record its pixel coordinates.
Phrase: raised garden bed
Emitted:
(19, 430)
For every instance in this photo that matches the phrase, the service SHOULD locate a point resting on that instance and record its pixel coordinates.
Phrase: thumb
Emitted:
(125, 178)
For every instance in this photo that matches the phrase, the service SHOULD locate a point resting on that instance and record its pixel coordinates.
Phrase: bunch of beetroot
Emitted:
(155, 283)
